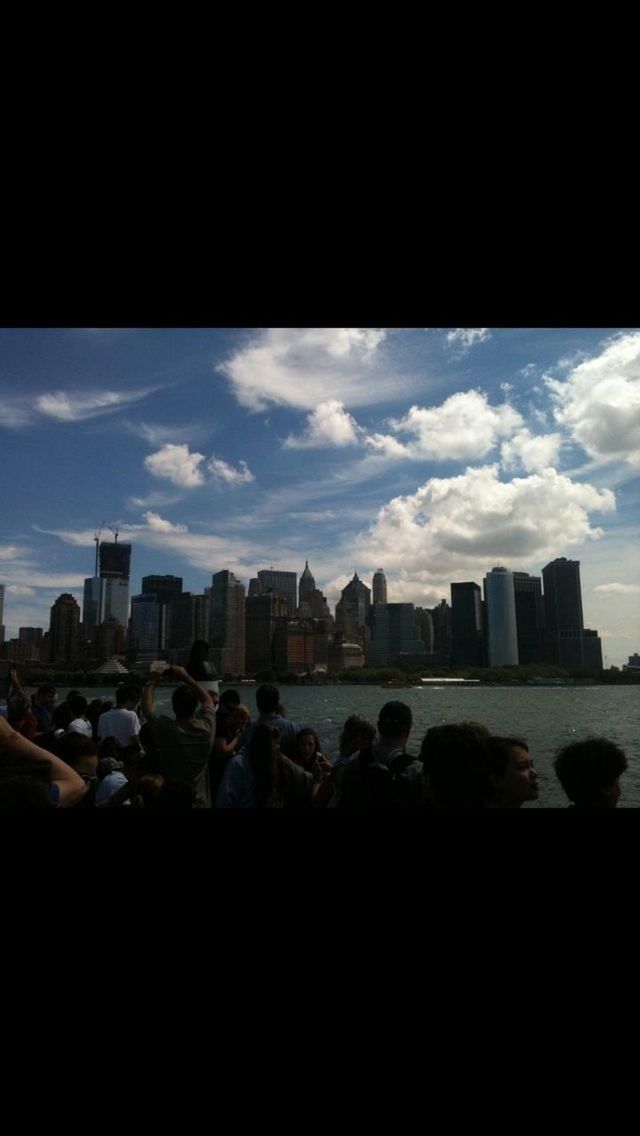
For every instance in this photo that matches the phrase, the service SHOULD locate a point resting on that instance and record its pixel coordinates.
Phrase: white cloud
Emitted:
(157, 435)
(619, 589)
(9, 551)
(329, 425)
(15, 413)
(222, 471)
(302, 367)
(72, 406)
(453, 526)
(462, 339)
(599, 401)
(464, 426)
(20, 590)
(177, 464)
(531, 451)
(158, 524)
(152, 500)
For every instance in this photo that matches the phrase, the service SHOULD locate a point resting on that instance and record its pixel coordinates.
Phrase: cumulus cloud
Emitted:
(226, 473)
(619, 589)
(329, 425)
(158, 524)
(469, 522)
(72, 406)
(599, 401)
(177, 465)
(464, 426)
(462, 339)
(302, 367)
(530, 451)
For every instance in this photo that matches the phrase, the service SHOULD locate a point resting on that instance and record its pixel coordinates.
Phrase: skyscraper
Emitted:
(441, 619)
(502, 635)
(64, 629)
(568, 642)
(92, 603)
(145, 620)
(307, 585)
(352, 611)
(115, 563)
(379, 587)
(394, 632)
(281, 584)
(529, 617)
(227, 626)
(467, 646)
(262, 615)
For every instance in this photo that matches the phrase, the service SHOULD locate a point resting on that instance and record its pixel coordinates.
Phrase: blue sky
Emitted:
(434, 453)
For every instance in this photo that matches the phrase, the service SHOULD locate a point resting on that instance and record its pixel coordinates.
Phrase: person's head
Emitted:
(72, 694)
(267, 765)
(24, 784)
(238, 717)
(590, 772)
(80, 752)
(184, 701)
(62, 716)
(357, 733)
(126, 697)
(199, 651)
(267, 699)
(229, 699)
(511, 773)
(77, 705)
(395, 721)
(46, 695)
(17, 707)
(109, 747)
(307, 745)
(455, 760)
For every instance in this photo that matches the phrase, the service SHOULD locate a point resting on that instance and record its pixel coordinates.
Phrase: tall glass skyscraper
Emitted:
(502, 633)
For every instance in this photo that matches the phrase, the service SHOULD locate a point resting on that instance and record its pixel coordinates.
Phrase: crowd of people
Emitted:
(211, 754)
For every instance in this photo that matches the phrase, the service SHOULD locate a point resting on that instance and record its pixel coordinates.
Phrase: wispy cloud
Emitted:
(462, 339)
(226, 473)
(302, 367)
(66, 406)
(619, 589)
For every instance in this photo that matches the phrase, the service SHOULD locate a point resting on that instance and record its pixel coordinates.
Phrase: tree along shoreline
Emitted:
(365, 676)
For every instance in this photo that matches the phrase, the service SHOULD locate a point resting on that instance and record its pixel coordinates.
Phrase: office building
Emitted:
(144, 634)
(92, 603)
(352, 612)
(424, 621)
(293, 646)
(64, 629)
(281, 584)
(441, 619)
(567, 642)
(529, 617)
(394, 632)
(261, 616)
(115, 564)
(467, 635)
(379, 587)
(500, 610)
(227, 624)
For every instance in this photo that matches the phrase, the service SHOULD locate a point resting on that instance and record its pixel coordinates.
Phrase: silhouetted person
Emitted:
(511, 774)
(383, 776)
(455, 759)
(590, 772)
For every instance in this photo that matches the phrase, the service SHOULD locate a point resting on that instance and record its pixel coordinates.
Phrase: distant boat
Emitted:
(449, 682)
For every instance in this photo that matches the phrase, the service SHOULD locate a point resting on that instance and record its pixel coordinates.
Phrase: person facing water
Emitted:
(184, 743)
(200, 669)
(512, 776)
(590, 772)
(384, 775)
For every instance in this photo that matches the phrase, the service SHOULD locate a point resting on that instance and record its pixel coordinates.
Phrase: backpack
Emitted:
(369, 785)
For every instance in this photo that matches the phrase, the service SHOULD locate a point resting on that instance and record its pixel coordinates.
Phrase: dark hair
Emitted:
(267, 698)
(199, 651)
(24, 783)
(184, 701)
(175, 796)
(271, 772)
(17, 708)
(308, 730)
(77, 704)
(73, 694)
(500, 751)
(357, 733)
(229, 698)
(586, 768)
(455, 759)
(73, 747)
(126, 693)
(394, 720)
(62, 716)
(109, 747)
(48, 688)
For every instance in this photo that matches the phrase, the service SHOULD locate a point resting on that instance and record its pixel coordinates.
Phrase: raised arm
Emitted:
(70, 785)
(206, 701)
(148, 695)
(17, 685)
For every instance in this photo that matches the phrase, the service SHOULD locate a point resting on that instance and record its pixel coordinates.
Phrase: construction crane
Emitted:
(115, 533)
(97, 540)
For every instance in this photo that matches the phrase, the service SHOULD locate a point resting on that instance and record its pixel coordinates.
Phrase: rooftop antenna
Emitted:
(97, 540)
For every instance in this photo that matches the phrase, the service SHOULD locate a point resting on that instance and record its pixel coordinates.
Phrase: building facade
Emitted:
(467, 632)
(64, 633)
(529, 617)
(394, 632)
(502, 634)
(379, 587)
(227, 624)
(281, 584)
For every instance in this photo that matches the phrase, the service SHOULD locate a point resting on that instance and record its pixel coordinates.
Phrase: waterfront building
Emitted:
(394, 631)
(502, 635)
(529, 617)
(115, 565)
(293, 646)
(32, 635)
(441, 619)
(467, 635)
(262, 613)
(281, 584)
(227, 624)
(424, 620)
(344, 656)
(567, 642)
(633, 664)
(144, 633)
(352, 612)
(379, 587)
(92, 603)
(64, 630)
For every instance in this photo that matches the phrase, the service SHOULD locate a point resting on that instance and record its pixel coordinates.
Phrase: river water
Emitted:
(547, 717)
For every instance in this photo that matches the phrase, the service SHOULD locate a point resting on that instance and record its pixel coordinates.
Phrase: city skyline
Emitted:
(437, 453)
